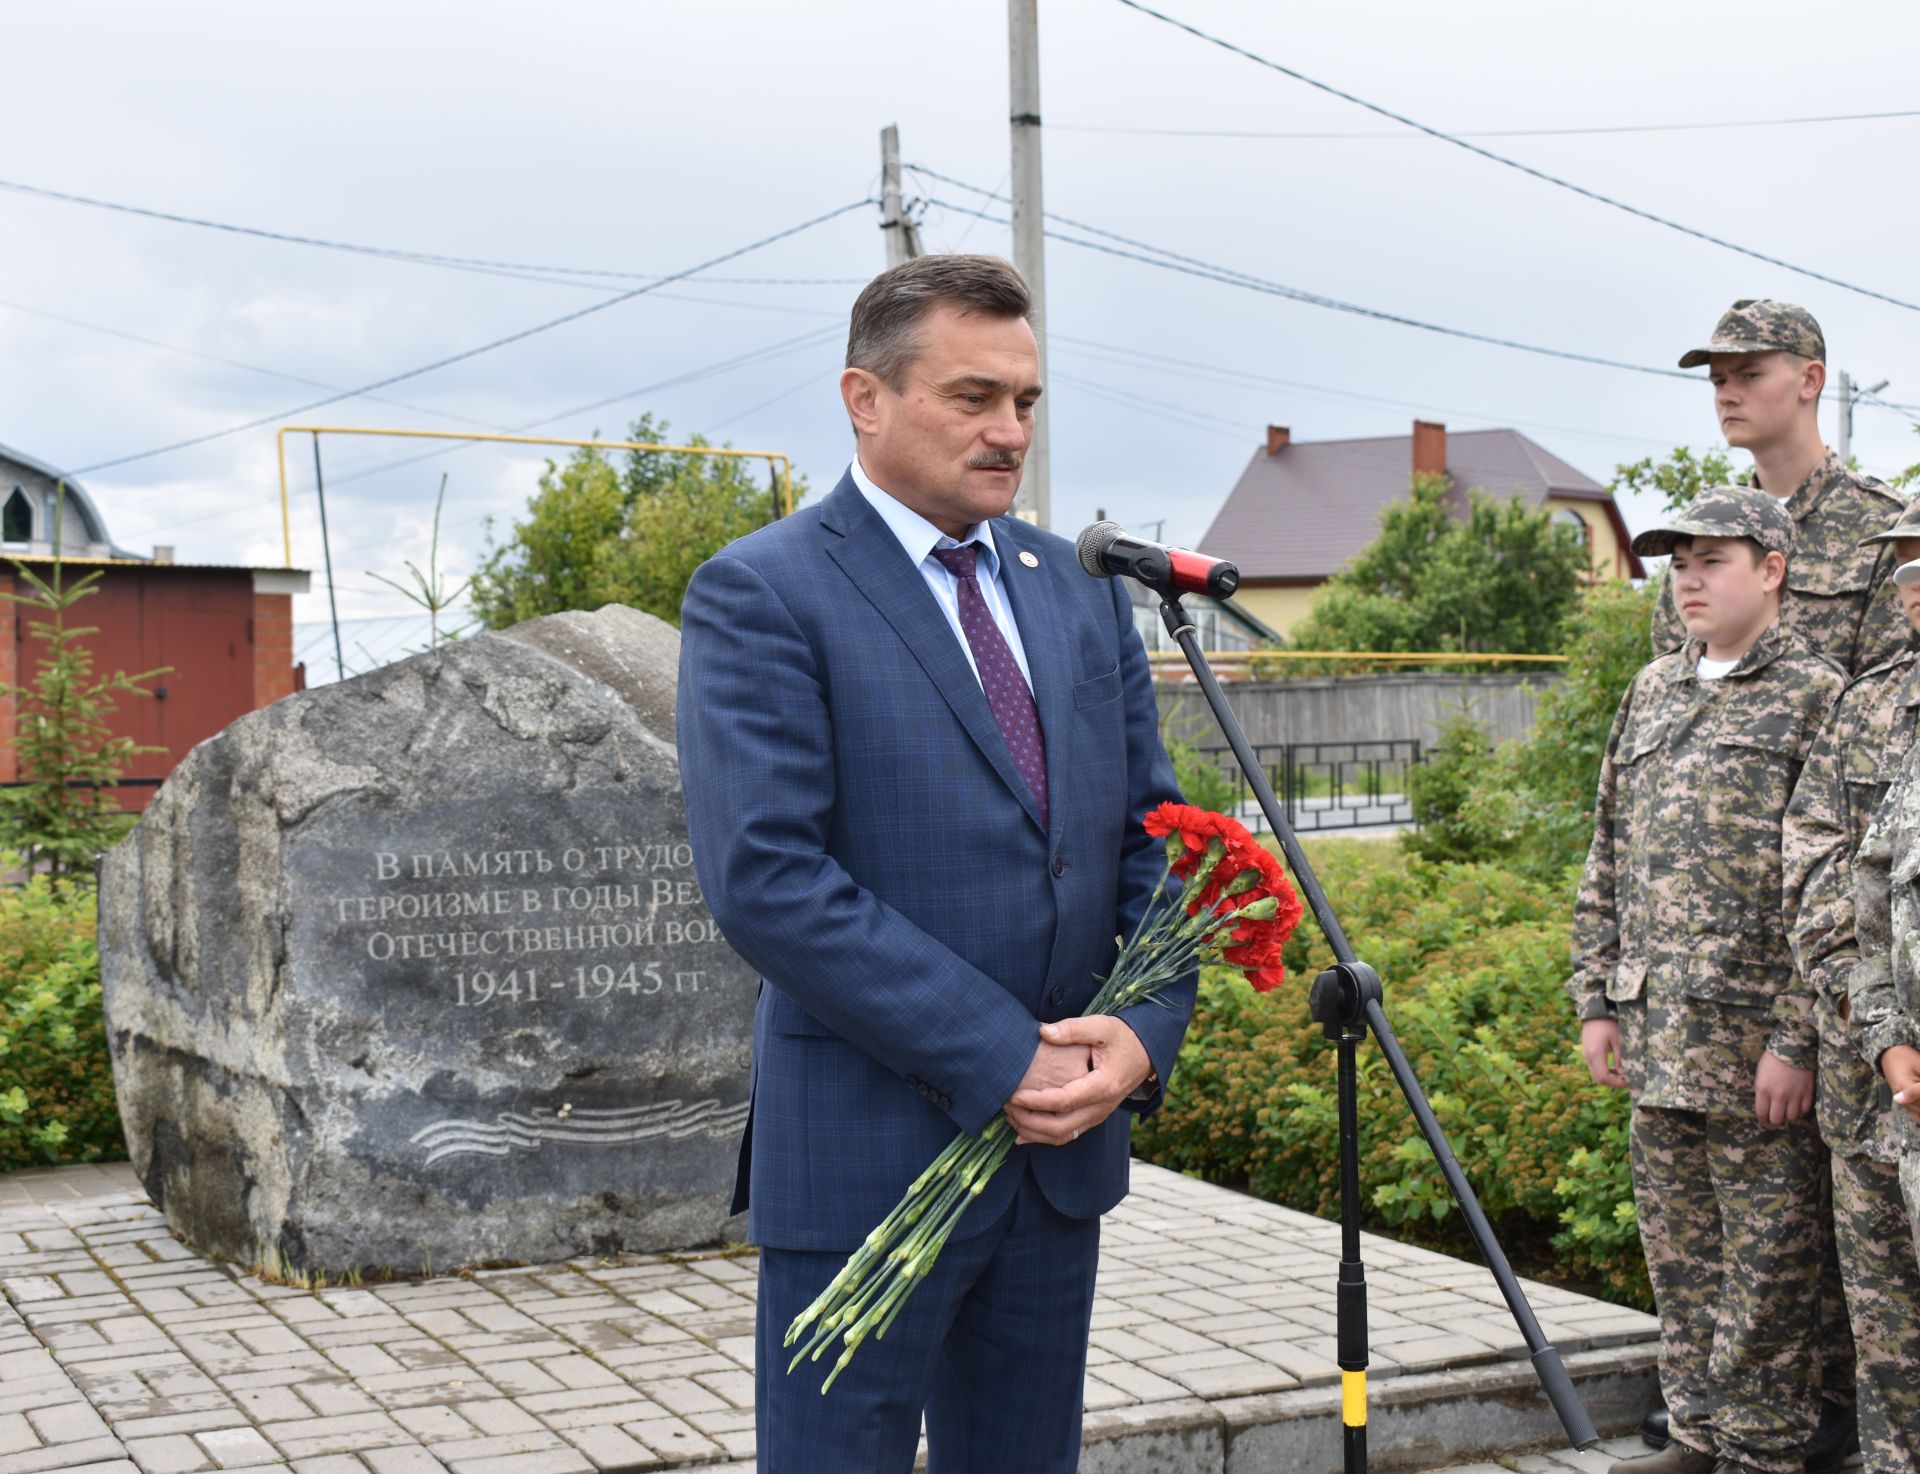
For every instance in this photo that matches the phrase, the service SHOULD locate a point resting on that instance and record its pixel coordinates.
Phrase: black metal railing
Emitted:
(1326, 785)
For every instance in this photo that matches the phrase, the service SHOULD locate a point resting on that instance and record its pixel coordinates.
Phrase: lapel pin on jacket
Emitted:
(1029, 559)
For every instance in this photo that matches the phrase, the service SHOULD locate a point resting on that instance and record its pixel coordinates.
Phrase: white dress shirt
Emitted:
(920, 537)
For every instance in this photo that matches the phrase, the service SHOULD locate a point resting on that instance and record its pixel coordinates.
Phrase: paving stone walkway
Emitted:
(123, 1352)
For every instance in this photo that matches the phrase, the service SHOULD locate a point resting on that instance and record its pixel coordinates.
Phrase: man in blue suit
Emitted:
(917, 743)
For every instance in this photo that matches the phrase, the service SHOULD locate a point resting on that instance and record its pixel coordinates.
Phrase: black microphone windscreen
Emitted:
(1092, 544)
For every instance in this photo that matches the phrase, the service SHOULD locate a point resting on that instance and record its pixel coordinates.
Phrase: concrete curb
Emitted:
(1422, 1421)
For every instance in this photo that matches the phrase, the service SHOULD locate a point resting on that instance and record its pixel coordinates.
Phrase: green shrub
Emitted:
(56, 1087)
(1460, 765)
(1473, 957)
(1530, 804)
(1203, 781)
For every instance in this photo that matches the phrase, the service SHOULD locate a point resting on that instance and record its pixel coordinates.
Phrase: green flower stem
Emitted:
(938, 1195)
(882, 1314)
(871, 1289)
(852, 1303)
(874, 1247)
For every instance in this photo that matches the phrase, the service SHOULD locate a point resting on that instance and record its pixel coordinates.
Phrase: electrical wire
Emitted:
(757, 355)
(1864, 397)
(1198, 419)
(1527, 169)
(237, 363)
(1208, 373)
(394, 253)
(470, 353)
(1487, 132)
(1167, 260)
(761, 355)
(753, 409)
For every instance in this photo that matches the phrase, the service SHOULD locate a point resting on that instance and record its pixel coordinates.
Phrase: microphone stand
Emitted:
(1347, 1000)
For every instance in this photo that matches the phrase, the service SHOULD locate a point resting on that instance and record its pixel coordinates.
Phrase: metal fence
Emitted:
(1326, 785)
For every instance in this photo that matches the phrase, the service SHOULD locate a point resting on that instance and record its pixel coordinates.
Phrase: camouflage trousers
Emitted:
(1732, 1225)
(1882, 1271)
(1910, 1189)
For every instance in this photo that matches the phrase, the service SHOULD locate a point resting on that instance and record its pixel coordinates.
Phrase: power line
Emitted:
(760, 355)
(1198, 419)
(1199, 372)
(394, 253)
(238, 363)
(1899, 409)
(743, 360)
(1527, 169)
(1159, 256)
(753, 409)
(1487, 132)
(469, 353)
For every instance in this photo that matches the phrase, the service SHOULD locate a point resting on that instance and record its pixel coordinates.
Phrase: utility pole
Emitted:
(1846, 415)
(903, 239)
(1849, 393)
(1035, 500)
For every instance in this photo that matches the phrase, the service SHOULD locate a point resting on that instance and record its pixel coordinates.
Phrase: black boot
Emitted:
(1653, 1428)
(1836, 1440)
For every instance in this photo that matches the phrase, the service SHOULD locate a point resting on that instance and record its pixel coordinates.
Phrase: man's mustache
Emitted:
(994, 461)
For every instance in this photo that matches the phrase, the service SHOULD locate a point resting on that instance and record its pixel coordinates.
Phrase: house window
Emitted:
(16, 520)
(1567, 517)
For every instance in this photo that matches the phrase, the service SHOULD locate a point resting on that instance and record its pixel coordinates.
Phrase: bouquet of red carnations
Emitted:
(1236, 906)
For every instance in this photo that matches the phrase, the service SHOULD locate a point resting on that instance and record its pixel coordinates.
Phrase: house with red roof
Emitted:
(1301, 509)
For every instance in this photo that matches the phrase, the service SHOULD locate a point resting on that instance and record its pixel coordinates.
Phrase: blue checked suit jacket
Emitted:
(865, 841)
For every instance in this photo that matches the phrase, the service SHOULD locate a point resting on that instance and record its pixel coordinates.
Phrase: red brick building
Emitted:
(226, 632)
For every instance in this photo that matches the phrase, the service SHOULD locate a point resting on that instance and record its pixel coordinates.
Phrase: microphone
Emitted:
(1106, 548)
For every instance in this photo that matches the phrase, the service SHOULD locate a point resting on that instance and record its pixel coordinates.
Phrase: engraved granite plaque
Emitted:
(416, 970)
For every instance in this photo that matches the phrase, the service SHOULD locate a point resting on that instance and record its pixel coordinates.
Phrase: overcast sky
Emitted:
(650, 137)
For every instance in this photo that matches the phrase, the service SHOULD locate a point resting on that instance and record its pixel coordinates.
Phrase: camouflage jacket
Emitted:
(1678, 926)
(1884, 989)
(1852, 765)
(1837, 598)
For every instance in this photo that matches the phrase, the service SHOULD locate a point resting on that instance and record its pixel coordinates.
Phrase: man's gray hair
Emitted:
(884, 335)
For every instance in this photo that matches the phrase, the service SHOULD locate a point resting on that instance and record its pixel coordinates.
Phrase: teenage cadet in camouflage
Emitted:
(1685, 987)
(1883, 990)
(1848, 773)
(1767, 363)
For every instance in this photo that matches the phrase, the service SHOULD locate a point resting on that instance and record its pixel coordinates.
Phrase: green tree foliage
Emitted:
(1438, 790)
(429, 588)
(63, 816)
(1473, 956)
(1531, 803)
(1207, 780)
(1500, 579)
(1678, 479)
(56, 1085)
(1903, 481)
(1606, 646)
(600, 531)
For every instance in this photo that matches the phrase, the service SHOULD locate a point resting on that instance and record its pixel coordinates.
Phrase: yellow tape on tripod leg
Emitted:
(1353, 1399)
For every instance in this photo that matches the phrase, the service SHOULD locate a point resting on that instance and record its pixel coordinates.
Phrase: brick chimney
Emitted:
(1429, 448)
(1278, 436)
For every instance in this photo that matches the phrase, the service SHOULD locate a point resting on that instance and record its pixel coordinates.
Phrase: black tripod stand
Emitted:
(1346, 1000)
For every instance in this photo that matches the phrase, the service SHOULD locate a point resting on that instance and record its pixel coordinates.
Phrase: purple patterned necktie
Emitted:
(1000, 678)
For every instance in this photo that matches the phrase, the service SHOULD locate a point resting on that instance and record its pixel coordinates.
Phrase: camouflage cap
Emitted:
(1905, 526)
(1723, 511)
(1755, 325)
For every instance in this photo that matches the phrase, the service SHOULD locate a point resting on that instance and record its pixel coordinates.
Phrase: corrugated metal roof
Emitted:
(1303, 511)
(147, 563)
(89, 513)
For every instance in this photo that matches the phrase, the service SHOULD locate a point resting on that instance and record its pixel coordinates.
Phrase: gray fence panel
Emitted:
(1352, 708)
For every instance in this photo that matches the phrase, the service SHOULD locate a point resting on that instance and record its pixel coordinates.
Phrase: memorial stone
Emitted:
(414, 970)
